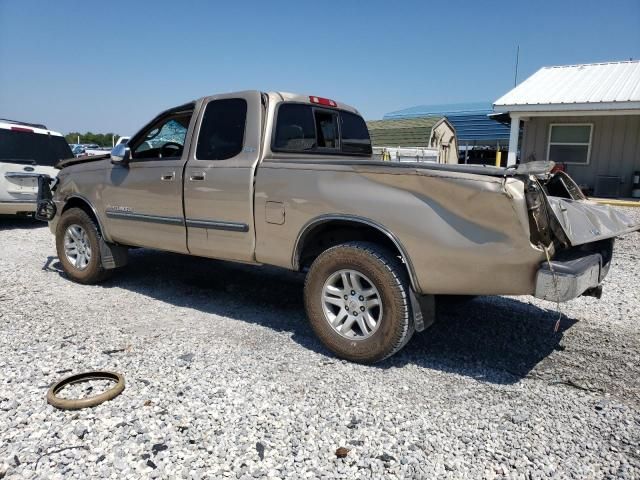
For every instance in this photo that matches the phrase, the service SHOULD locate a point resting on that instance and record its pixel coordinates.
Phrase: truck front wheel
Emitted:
(357, 299)
(78, 247)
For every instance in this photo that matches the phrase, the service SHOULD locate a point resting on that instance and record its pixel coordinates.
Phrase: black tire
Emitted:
(388, 275)
(94, 272)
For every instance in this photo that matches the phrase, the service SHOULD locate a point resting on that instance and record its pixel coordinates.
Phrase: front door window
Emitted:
(165, 139)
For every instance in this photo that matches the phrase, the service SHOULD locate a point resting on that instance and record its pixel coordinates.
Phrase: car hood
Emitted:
(76, 160)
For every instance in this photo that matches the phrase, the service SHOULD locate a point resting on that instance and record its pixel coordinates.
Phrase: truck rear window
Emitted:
(309, 129)
(355, 135)
(32, 148)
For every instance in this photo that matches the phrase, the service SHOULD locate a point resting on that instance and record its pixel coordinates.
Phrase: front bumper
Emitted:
(564, 280)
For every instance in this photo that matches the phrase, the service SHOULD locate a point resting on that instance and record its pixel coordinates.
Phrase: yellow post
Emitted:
(498, 157)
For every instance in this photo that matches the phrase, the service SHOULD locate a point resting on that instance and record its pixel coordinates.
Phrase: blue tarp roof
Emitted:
(469, 119)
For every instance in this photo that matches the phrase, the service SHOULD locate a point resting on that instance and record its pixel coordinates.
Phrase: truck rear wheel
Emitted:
(78, 247)
(357, 300)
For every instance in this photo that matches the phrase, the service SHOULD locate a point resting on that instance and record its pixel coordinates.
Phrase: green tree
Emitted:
(102, 139)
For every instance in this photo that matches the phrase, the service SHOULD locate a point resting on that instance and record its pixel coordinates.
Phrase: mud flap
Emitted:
(424, 310)
(113, 256)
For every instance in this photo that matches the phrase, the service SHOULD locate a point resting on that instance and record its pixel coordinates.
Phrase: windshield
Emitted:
(33, 148)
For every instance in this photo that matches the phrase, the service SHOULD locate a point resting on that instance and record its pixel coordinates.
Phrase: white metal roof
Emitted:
(595, 86)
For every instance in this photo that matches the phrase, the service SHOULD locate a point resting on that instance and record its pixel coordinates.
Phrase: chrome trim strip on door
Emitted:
(228, 226)
(141, 217)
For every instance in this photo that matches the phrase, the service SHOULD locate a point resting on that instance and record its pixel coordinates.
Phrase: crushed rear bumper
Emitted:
(565, 279)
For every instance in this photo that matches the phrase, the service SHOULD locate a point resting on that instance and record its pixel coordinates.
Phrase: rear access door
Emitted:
(219, 177)
(25, 153)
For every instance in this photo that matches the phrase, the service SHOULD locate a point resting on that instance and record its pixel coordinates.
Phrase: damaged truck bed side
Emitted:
(288, 180)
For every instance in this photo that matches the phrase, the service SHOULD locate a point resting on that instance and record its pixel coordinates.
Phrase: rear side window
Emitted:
(355, 135)
(305, 128)
(296, 129)
(222, 130)
(32, 148)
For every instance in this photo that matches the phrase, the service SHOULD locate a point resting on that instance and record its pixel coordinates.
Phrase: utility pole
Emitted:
(515, 78)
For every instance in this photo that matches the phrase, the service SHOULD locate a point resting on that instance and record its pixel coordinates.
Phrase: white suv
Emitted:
(26, 151)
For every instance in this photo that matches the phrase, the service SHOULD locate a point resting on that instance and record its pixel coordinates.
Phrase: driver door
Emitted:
(143, 199)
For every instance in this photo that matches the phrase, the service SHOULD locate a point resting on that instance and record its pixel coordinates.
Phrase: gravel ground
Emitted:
(225, 379)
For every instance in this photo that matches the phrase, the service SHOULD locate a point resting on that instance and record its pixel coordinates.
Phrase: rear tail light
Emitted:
(323, 101)
(21, 129)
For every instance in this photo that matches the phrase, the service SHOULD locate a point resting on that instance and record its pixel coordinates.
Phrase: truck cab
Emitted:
(185, 182)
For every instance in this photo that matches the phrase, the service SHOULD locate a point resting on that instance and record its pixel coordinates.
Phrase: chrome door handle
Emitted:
(199, 176)
(167, 177)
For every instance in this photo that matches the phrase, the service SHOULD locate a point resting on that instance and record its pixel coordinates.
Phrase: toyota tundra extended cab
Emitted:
(289, 180)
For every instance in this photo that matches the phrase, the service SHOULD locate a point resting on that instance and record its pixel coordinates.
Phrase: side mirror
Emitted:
(120, 155)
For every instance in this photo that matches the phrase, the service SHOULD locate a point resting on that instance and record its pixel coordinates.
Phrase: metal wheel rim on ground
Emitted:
(77, 247)
(351, 304)
(74, 404)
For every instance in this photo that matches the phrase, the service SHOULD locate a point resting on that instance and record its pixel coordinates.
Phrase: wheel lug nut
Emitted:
(353, 292)
(361, 298)
(362, 309)
(346, 308)
(355, 314)
(346, 297)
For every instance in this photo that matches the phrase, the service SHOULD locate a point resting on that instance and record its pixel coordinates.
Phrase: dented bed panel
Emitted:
(462, 233)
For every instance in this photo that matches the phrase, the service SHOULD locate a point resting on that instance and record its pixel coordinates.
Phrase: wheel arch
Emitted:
(309, 242)
(78, 201)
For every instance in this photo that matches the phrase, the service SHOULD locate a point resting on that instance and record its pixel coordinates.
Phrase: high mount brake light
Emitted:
(21, 129)
(323, 101)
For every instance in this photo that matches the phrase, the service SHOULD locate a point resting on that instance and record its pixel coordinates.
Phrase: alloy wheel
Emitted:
(352, 304)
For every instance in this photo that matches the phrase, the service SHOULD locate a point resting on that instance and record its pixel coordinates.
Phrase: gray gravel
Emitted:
(225, 379)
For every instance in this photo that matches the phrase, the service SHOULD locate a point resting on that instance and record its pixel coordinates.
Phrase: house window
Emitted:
(570, 142)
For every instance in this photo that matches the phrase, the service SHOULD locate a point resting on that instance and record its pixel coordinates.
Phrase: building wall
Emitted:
(615, 147)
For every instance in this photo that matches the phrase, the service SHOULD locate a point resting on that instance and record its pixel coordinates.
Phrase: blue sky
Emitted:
(111, 66)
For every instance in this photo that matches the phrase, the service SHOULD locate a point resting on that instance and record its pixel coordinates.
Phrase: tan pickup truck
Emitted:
(289, 180)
